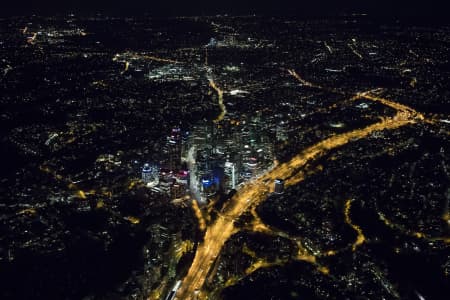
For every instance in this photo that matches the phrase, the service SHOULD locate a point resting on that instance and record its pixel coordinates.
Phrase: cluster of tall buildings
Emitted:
(213, 158)
(222, 156)
(169, 176)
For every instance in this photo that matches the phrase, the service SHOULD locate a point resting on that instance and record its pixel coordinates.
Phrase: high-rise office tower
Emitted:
(279, 186)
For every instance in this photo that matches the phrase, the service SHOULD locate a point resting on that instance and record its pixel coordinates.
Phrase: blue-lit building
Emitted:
(212, 43)
(212, 182)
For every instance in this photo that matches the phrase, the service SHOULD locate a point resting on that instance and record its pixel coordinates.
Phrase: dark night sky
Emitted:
(203, 7)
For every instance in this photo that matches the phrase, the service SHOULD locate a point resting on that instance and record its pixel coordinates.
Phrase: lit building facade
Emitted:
(174, 145)
(150, 174)
(279, 186)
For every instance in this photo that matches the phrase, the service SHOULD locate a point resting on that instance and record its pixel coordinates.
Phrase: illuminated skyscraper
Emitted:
(230, 172)
(174, 149)
(282, 132)
(279, 186)
(150, 174)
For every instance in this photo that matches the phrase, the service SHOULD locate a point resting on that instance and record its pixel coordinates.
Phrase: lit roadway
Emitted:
(256, 191)
(223, 109)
